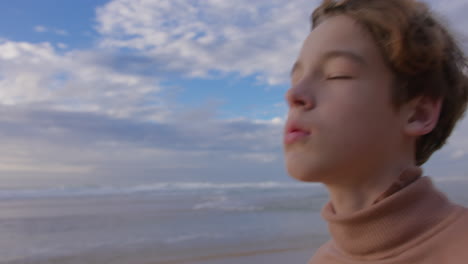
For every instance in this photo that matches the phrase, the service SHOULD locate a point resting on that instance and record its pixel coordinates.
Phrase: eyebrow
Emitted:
(334, 54)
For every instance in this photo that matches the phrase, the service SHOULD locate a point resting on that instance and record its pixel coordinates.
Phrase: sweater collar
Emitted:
(405, 211)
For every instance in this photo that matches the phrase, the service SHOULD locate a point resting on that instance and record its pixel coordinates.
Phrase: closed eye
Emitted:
(339, 77)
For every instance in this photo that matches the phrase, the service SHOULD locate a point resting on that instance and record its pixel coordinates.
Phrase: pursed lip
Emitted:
(294, 132)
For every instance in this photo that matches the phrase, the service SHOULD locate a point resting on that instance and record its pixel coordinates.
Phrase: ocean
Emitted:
(161, 221)
(164, 222)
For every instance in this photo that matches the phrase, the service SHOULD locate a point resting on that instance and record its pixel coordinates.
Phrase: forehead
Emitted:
(339, 35)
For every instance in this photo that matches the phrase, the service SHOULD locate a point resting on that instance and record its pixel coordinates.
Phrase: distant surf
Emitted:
(151, 188)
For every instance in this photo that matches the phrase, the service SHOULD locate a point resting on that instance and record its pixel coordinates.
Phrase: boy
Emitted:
(377, 88)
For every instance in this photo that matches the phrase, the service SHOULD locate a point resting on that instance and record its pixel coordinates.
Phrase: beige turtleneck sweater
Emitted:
(409, 225)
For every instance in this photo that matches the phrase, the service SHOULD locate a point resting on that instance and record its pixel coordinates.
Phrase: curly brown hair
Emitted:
(421, 52)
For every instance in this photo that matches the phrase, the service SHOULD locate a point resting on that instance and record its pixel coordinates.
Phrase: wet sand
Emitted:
(276, 256)
(300, 251)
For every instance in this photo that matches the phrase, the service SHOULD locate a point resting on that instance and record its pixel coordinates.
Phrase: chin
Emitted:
(305, 178)
(303, 173)
(306, 166)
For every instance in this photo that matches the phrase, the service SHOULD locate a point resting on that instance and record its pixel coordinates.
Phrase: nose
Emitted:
(298, 97)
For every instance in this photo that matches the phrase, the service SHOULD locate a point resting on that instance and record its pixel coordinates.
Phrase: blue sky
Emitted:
(144, 91)
(68, 22)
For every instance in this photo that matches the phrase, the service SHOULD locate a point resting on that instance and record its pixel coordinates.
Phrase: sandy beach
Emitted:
(293, 255)
(217, 255)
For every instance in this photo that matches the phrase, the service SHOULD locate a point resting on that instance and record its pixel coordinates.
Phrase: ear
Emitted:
(422, 114)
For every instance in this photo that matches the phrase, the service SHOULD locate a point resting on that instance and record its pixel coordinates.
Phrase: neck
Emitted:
(362, 189)
(394, 224)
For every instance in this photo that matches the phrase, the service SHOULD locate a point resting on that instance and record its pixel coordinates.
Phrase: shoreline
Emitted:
(242, 257)
(299, 251)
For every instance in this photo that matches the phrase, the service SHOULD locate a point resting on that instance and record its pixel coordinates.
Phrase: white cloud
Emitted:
(260, 38)
(274, 121)
(81, 114)
(91, 112)
(457, 144)
(40, 29)
(43, 29)
(62, 45)
(458, 154)
(89, 145)
(198, 37)
(257, 157)
(453, 14)
(42, 167)
(75, 81)
(61, 32)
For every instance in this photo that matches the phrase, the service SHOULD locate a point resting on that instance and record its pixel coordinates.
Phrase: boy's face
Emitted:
(340, 121)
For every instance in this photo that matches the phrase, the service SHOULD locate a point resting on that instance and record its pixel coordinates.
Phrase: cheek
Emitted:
(356, 122)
